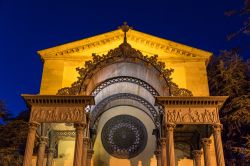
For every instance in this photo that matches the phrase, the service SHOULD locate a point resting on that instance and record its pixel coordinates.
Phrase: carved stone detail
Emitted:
(197, 153)
(33, 125)
(197, 157)
(192, 115)
(90, 153)
(123, 53)
(217, 127)
(43, 140)
(170, 127)
(157, 153)
(58, 114)
(163, 141)
(86, 141)
(206, 141)
(132, 37)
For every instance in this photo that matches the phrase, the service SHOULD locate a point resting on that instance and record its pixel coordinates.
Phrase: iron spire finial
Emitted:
(125, 28)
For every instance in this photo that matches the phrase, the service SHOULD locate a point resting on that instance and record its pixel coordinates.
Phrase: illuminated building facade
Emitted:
(124, 98)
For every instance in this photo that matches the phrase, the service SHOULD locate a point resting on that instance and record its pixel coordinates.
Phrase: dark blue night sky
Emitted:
(27, 26)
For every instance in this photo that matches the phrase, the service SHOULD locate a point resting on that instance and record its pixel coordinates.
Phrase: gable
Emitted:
(60, 62)
(147, 44)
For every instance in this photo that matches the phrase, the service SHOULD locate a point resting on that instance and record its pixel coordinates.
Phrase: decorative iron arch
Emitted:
(98, 110)
(123, 53)
(119, 79)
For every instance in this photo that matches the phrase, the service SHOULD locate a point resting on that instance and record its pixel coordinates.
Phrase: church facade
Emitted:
(124, 98)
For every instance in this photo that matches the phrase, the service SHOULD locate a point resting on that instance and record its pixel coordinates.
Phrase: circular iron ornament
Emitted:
(124, 136)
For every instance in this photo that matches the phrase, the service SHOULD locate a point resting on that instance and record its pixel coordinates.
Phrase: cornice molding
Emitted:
(209, 101)
(80, 46)
(58, 100)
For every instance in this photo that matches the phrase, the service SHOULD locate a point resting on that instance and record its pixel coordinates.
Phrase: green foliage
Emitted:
(228, 75)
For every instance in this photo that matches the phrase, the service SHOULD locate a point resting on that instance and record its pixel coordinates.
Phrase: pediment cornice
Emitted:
(77, 48)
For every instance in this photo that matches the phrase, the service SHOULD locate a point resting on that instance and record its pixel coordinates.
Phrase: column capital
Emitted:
(157, 153)
(217, 127)
(43, 140)
(51, 150)
(90, 152)
(34, 125)
(206, 141)
(79, 126)
(197, 157)
(197, 153)
(163, 141)
(170, 126)
(86, 141)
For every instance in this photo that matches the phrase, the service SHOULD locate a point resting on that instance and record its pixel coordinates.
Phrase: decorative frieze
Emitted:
(191, 110)
(58, 114)
(192, 115)
(58, 109)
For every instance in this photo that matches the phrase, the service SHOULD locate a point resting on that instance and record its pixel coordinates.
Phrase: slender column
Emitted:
(163, 152)
(197, 157)
(50, 157)
(78, 144)
(30, 143)
(41, 150)
(218, 145)
(89, 156)
(170, 144)
(51, 150)
(206, 142)
(85, 151)
(158, 157)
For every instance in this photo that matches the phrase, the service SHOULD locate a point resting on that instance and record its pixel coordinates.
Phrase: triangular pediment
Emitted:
(147, 44)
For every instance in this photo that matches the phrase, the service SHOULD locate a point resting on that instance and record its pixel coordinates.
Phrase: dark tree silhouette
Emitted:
(244, 12)
(4, 113)
(229, 75)
(13, 136)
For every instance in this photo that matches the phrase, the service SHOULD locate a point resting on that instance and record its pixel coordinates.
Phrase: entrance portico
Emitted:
(145, 112)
